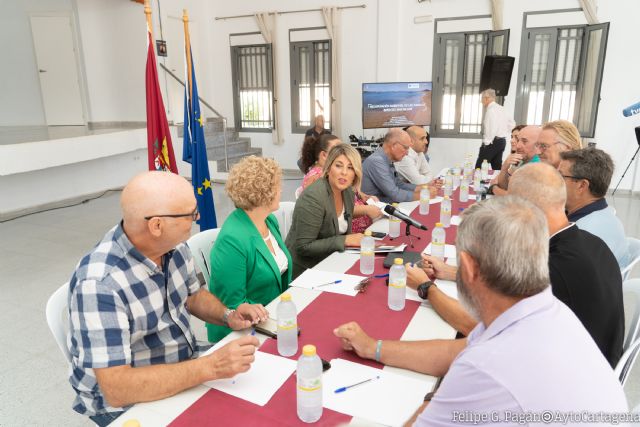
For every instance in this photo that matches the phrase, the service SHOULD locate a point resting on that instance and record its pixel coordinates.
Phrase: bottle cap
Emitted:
(367, 233)
(397, 261)
(446, 197)
(394, 204)
(309, 350)
(285, 297)
(425, 187)
(439, 224)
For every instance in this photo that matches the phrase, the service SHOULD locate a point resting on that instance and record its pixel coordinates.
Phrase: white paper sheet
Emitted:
(390, 400)
(449, 251)
(404, 207)
(380, 249)
(455, 220)
(312, 279)
(258, 384)
(435, 200)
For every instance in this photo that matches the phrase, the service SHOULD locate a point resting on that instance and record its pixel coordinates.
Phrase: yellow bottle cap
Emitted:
(439, 224)
(446, 197)
(367, 233)
(398, 261)
(425, 187)
(394, 204)
(309, 350)
(131, 423)
(285, 297)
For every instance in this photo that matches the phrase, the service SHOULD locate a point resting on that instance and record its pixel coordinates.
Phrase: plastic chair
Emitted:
(631, 295)
(284, 216)
(626, 362)
(200, 245)
(634, 256)
(298, 192)
(57, 316)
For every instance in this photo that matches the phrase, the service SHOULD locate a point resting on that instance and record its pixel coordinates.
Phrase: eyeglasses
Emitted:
(574, 177)
(194, 215)
(404, 147)
(543, 146)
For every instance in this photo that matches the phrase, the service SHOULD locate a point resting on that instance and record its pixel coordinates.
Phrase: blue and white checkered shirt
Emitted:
(125, 310)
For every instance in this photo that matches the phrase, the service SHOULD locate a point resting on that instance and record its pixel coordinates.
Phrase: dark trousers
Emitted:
(492, 153)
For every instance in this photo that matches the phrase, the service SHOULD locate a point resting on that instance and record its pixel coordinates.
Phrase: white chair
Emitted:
(58, 316)
(200, 245)
(626, 362)
(298, 192)
(631, 295)
(634, 256)
(284, 216)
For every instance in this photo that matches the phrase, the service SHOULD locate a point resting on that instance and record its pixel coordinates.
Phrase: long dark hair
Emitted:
(311, 149)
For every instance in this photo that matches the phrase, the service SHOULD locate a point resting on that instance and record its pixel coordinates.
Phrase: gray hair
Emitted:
(394, 134)
(508, 238)
(591, 164)
(541, 184)
(488, 93)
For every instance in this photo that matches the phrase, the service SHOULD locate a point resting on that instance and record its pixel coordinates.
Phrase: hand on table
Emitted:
(415, 275)
(234, 358)
(373, 212)
(353, 338)
(435, 268)
(353, 240)
(247, 315)
(437, 183)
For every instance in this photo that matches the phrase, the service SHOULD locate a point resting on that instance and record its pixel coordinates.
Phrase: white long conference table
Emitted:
(426, 324)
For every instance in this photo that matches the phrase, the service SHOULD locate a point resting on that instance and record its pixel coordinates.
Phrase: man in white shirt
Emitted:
(497, 127)
(414, 167)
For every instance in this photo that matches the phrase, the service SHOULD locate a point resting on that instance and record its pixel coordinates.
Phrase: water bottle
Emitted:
(367, 247)
(394, 225)
(456, 176)
(468, 169)
(464, 190)
(448, 184)
(485, 170)
(425, 199)
(477, 178)
(397, 285)
(309, 385)
(287, 326)
(445, 212)
(438, 241)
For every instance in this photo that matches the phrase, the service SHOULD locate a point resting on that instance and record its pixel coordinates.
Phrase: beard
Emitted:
(468, 301)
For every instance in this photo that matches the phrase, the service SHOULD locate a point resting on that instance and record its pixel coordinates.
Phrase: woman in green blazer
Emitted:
(249, 261)
(321, 222)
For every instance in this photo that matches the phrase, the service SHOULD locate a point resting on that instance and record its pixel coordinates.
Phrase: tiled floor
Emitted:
(37, 254)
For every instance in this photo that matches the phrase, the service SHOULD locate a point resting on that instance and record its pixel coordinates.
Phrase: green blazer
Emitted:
(242, 267)
(314, 230)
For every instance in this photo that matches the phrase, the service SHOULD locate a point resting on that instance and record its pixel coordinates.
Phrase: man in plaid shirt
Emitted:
(130, 301)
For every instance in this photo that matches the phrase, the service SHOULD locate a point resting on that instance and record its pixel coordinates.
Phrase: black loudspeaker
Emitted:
(638, 134)
(496, 74)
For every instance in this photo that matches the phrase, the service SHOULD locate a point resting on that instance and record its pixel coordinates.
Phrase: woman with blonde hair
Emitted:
(321, 221)
(557, 136)
(249, 260)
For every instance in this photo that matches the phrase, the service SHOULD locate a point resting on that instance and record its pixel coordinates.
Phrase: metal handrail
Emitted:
(224, 119)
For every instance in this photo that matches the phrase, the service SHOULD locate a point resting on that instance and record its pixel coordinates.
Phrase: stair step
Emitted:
(235, 158)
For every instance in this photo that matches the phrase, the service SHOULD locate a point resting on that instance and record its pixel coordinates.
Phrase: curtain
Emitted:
(267, 24)
(331, 17)
(497, 14)
(590, 9)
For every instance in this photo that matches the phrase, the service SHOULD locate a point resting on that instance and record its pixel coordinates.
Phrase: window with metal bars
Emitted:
(310, 84)
(252, 73)
(560, 74)
(458, 61)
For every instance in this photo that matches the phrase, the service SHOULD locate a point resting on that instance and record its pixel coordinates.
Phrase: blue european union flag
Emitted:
(195, 152)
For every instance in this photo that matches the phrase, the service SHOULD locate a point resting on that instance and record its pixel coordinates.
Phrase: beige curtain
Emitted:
(331, 17)
(590, 9)
(497, 14)
(267, 24)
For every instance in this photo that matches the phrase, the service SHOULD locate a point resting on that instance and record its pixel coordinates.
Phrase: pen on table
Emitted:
(380, 276)
(335, 282)
(341, 389)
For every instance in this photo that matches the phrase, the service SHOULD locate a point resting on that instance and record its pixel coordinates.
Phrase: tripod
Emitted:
(625, 171)
(407, 233)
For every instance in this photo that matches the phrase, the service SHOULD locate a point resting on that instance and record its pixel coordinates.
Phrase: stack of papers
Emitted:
(380, 249)
(389, 399)
(326, 282)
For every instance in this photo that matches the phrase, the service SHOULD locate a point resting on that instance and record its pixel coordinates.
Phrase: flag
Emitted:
(160, 150)
(194, 149)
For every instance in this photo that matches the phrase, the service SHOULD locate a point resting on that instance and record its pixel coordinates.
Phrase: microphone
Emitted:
(401, 216)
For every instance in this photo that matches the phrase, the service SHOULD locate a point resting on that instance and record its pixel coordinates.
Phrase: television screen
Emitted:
(386, 105)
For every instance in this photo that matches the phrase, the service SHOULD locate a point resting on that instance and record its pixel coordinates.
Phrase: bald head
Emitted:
(541, 184)
(396, 134)
(527, 140)
(155, 193)
(419, 139)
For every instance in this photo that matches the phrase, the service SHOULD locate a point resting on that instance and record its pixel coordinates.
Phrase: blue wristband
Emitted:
(378, 348)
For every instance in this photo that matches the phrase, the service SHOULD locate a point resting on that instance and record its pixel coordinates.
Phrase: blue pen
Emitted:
(335, 282)
(342, 389)
(380, 276)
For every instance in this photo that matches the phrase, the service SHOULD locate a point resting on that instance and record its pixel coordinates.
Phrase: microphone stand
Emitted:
(407, 233)
(625, 171)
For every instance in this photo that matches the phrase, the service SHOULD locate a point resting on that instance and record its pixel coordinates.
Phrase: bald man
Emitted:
(414, 167)
(526, 152)
(130, 302)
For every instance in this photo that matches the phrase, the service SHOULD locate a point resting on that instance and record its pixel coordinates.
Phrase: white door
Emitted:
(58, 70)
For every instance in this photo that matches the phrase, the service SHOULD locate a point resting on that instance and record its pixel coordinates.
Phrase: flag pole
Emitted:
(147, 12)
(187, 44)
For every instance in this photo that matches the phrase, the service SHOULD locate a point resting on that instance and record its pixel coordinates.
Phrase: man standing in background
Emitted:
(497, 127)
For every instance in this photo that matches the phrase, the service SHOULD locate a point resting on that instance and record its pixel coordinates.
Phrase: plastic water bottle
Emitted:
(287, 326)
(397, 285)
(477, 178)
(445, 212)
(485, 170)
(448, 184)
(456, 176)
(464, 190)
(425, 199)
(438, 238)
(309, 385)
(367, 247)
(468, 169)
(394, 224)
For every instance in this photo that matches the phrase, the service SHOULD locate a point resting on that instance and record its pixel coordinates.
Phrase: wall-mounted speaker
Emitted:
(496, 73)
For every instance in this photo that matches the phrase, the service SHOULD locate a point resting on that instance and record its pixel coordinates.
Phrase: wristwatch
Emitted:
(225, 316)
(423, 289)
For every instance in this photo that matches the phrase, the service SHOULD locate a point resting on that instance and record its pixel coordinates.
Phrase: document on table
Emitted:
(390, 399)
(325, 281)
(380, 249)
(446, 286)
(449, 251)
(266, 375)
